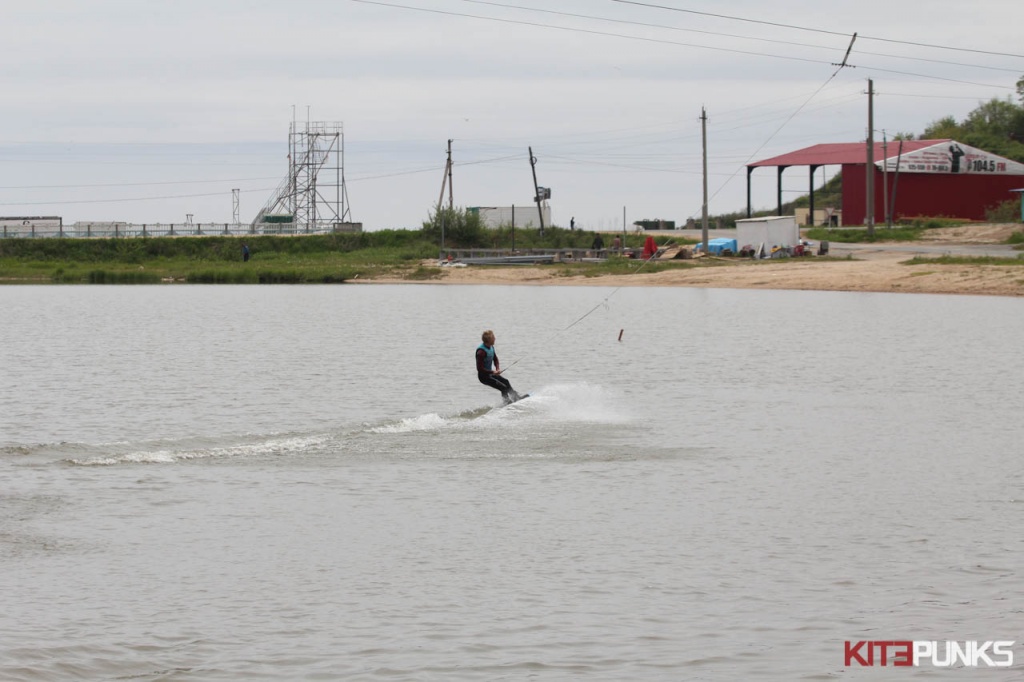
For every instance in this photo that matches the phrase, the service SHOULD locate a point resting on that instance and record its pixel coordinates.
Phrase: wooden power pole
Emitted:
(869, 185)
(451, 195)
(536, 190)
(704, 153)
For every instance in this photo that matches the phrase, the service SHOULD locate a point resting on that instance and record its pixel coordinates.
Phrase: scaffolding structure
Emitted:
(313, 196)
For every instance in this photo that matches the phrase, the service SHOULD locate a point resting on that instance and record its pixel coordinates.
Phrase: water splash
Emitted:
(580, 403)
(253, 447)
(424, 422)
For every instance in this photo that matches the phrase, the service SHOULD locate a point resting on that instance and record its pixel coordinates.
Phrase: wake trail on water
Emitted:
(551, 405)
(551, 408)
(171, 452)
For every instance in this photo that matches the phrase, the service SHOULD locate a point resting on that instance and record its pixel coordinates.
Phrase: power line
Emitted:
(606, 34)
(644, 24)
(432, 169)
(162, 164)
(609, 34)
(903, 94)
(817, 30)
(135, 184)
(726, 16)
(779, 129)
(937, 78)
(775, 41)
(125, 200)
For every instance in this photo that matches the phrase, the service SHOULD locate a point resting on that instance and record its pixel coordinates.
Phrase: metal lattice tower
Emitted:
(314, 192)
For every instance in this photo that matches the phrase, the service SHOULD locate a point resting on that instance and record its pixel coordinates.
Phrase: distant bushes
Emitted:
(1004, 212)
(930, 222)
(139, 249)
(125, 277)
(460, 228)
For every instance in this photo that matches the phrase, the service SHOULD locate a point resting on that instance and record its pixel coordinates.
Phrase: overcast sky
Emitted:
(149, 110)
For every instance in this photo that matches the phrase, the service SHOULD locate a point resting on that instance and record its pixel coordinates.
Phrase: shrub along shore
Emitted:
(150, 260)
(323, 259)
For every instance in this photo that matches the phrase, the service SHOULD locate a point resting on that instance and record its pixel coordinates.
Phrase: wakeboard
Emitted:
(516, 399)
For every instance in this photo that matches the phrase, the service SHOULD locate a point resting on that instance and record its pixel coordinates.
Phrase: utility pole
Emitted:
(536, 190)
(885, 180)
(234, 205)
(444, 181)
(451, 199)
(439, 214)
(869, 217)
(895, 182)
(704, 148)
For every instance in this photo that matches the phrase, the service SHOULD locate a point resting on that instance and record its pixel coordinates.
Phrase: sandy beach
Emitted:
(879, 267)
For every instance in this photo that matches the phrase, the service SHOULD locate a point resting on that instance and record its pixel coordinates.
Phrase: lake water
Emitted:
(285, 483)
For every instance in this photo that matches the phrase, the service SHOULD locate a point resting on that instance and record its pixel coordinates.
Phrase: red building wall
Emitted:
(926, 194)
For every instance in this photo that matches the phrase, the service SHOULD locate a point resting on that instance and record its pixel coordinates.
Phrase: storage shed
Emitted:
(915, 177)
(770, 231)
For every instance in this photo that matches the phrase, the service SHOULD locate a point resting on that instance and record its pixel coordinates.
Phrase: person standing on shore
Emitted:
(245, 253)
(488, 369)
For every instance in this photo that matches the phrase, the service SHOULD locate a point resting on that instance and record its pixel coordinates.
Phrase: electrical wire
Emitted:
(136, 184)
(775, 41)
(677, 43)
(606, 34)
(127, 200)
(777, 131)
(817, 30)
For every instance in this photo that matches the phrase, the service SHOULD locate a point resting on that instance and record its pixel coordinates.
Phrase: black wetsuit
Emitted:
(484, 357)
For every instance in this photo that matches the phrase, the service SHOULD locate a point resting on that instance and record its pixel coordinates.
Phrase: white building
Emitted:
(769, 231)
(31, 226)
(516, 216)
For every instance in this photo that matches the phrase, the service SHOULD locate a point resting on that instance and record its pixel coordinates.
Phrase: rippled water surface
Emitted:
(225, 483)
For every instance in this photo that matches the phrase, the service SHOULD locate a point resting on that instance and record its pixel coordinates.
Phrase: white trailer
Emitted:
(770, 231)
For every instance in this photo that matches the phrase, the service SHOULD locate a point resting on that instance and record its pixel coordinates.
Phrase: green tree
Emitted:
(996, 126)
(944, 128)
(996, 117)
(459, 228)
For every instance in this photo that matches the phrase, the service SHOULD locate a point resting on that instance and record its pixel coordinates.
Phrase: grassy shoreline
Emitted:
(212, 260)
(400, 255)
(303, 259)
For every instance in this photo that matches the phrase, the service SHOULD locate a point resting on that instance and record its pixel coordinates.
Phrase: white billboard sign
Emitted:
(954, 158)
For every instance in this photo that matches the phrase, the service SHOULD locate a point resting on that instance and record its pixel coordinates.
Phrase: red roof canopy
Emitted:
(843, 153)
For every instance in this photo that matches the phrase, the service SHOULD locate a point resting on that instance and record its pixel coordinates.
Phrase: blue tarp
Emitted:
(718, 245)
